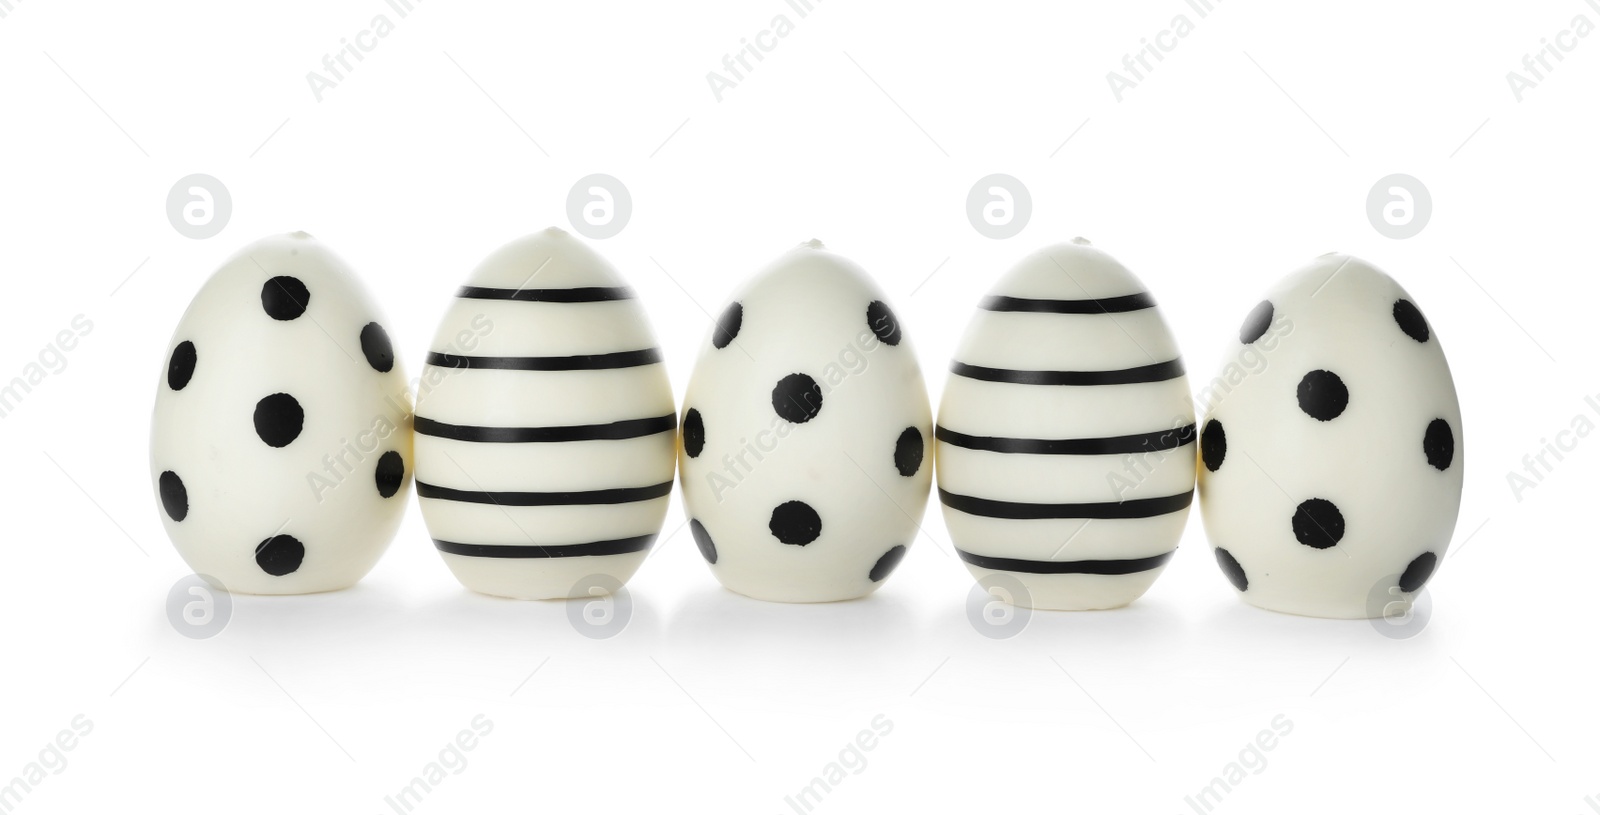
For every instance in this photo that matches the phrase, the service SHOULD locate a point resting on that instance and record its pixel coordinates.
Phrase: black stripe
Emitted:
(615, 431)
(587, 294)
(597, 549)
(1109, 445)
(582, 362)
(1159, 372)
(1006, 564)
(1107, 510)
(1109, 305)
(623, 495)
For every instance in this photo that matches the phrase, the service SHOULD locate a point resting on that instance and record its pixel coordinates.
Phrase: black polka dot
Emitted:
(1410, 319)
(908, 451)
(1322, 395)
(390, 474)
(1213, 445)
(279, 419)
(174, 496)
(1232, 569)
(702, 539)
(1417, 574)
(181, 369)
(375, 344)
(285, 298)
(1439, 444)
(797, 398)
(728, 325)
(280, 555)
(1256, 322)
(886, 564)
(883, 323)
(1318, 523)
(694, 433)
(795, 523)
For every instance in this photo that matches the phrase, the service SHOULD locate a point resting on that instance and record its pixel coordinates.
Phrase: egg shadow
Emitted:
(335, 639)
(326, 623)
(374, 626)
(1142, 633)
(810, 649)
(465, 625)
(1275, 642)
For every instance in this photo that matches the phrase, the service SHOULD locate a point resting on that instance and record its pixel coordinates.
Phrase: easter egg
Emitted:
(545, 426)
(805, 431)
(280, 447)
(1066, 435)
(1331, 448)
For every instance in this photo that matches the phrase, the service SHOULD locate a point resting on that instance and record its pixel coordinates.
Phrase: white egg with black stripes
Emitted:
(545, 427)
(1066, 435)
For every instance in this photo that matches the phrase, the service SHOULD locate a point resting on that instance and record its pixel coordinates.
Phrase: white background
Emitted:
(1245, 153)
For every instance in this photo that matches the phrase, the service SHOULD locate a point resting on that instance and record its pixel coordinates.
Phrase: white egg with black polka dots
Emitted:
(805, 427)
(281, 439)
(1331, 448)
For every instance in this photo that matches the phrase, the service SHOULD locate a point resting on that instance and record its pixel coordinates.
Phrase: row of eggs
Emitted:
(544, 442)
